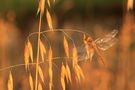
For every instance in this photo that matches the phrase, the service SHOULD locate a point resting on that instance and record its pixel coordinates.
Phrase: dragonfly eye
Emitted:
(89, 40)
(85, 39)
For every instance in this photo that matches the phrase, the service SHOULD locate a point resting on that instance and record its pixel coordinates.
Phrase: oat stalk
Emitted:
(38, 47)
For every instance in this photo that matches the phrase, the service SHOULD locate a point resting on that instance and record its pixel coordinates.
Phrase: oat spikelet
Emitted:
(26, 56)
(41, 73)
(30, 50)
(31, 82)
(66, 48)
(42, 50)
(49, 20)
(10, 82)
(63, 76)
(74, 56)
(51, 77)
(63, 70)
(78, 73)
(130, 4)
(50, 69)
(50, 55)
(41, 7)
(40, 86)
(68, 73)
(63, 83)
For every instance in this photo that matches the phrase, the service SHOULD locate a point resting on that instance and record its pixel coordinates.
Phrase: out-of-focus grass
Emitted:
(17, 5)
(118, 74)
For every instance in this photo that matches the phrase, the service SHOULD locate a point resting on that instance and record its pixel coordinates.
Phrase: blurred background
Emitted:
(97, 17)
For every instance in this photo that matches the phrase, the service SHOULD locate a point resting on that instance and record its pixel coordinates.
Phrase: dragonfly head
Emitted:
(87, 40)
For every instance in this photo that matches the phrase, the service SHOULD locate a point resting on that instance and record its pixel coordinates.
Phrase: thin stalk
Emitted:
(60, 30)
(37, 65)
(19, 65)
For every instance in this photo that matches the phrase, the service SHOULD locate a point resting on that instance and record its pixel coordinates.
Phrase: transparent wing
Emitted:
(108, 41)
(82, 53)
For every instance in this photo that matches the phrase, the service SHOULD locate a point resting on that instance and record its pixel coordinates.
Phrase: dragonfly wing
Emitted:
(82, 53)
(108, 41)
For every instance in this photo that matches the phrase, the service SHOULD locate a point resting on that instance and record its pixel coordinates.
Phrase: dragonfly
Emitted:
(90, 46)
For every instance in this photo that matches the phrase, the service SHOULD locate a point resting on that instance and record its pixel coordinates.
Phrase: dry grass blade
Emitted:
(42, 50)
(31, 82)
(41, 7)
(41, 73)
(30, 50)
(66, 48)
(40, 86)
(10, 82)
(74, 56)
(63, 73)
(68, 73)
(130, 4)
(26, 56)
(49, 20)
